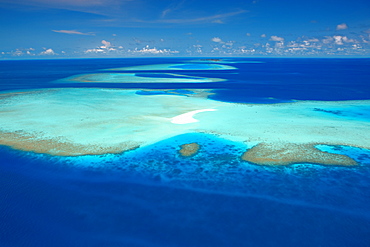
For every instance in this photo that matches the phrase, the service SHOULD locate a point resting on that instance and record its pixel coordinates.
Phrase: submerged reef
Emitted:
(291, 153)
(189, 149)
(81, 121)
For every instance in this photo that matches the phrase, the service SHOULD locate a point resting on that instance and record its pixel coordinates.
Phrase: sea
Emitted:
(151, 197)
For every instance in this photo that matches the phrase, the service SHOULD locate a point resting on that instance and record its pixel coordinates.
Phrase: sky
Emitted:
(202, 28)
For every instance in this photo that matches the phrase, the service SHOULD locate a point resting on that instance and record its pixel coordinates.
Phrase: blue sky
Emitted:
(126, 28)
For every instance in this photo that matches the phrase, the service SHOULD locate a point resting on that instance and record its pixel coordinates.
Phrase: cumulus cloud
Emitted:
(148, 50)
(20, 52)
(106, 44)
(72, 32)
(347, 40)
(217, 40)
(338, 40)
(263, 35)
(105, 48)
(342, 26)
(276, 38)
(48, 52)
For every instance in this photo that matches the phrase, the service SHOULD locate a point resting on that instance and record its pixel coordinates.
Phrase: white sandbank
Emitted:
(188, 117)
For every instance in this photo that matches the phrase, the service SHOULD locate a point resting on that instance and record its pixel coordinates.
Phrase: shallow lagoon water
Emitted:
(152, 196)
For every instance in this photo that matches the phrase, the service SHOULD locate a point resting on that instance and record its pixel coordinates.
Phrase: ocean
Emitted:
(151, 195)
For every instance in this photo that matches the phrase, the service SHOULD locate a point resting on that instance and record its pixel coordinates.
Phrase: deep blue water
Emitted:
(153, 197)
(282, 79)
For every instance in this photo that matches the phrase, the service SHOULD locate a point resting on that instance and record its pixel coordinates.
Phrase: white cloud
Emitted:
(72, 32)
(148, 50)
(20, 52)
(217, 40)
(365, 39)
(327, 40)
(48, 52)
(106, 44)
(313, 40)
(105, 48)
(340, 39)
(279, 44)
(165, 12)
(174, 6)
(98, 50)
(263, 35)
(17, 53)
(347, 40)
(130, 11)
(342, 26)
(276, 38)
(103, 7)
(248, 34)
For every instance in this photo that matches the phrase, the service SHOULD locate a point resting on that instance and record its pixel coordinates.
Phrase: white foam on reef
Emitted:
(187, 118)
(178, 66)
(133, 78)
(115, 119)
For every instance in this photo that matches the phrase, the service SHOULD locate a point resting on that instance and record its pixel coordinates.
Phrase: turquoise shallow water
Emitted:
(152, 196)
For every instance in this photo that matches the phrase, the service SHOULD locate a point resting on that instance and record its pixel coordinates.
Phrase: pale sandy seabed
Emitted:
(136, 78)
(74, 121)
(125, 77)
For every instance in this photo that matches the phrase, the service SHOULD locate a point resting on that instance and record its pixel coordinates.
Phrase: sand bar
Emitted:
(188, 117)
(135, 78)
